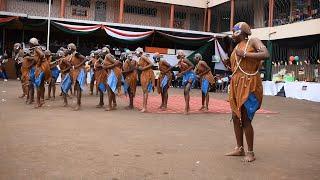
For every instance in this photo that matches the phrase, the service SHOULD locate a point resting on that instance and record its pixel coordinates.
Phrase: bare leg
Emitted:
(249, 133)
(65, 100)
(42, 92)
(53, 89)
(23, 90)
(162, 100)
(91, 87)
(31, 93)
(165, 97)
(145, 100)
(207, 101)
(78, 94)
(187, 97)
(49, 91)
(238, 131)
(114, 102)
(109, 99)
(202, 101)
(37, 105)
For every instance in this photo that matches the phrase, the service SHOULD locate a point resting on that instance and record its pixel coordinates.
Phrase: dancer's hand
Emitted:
(179, 75)
(240, 52)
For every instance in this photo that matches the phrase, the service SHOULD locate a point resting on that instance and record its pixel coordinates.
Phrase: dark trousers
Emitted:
(3, 73)
(18, 70)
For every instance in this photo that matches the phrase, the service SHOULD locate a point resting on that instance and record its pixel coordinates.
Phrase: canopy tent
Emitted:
(5, 20)
(186, 39)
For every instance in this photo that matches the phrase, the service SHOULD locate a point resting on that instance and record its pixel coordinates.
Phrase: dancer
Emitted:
(100, 76)
(112, 66)
(204, 73)
(164, 79)
(147, 77)
(65, 68)
(78, 74)
(92, 61)
(53, 61)
(246, 86)
(186, 71)
(42, 70)
(131, 76)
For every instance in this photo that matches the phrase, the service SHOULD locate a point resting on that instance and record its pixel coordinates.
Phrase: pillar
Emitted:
(62, 8)
(3, 5)
(205, 19)
(231, 15)
(171, 15)
(121, 11)
(271, 9)
(209, 20)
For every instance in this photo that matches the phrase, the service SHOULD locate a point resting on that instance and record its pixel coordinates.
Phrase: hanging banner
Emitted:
(127, 35)
(76, 29)
(187, 40)
(219, 56)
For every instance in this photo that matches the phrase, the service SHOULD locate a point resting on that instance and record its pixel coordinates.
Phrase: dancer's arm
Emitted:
(150, 64)
(261, 50)
(191, 66)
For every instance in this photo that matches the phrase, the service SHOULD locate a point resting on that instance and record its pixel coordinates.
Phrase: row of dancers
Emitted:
(107, 74)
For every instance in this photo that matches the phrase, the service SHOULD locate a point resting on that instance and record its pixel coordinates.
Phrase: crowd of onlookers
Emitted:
(221, 86)
(297, 15)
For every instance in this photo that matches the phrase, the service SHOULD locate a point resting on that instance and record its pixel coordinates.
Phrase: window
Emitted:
(42, 1)
(82, 3)
(180, 15)
(140, 10)
(79, 12)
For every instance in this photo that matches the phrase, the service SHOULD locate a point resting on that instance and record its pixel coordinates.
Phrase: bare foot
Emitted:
(238, 151)
(249, 157)
(99, 106)
(42, 103)
(77, 108)
(186, 112)
(22, 96)
(30, 102)
(91, 93)
(143, 110)
(36, 106)
(108, 109)
(202, 108)
(206, 109)
(164, 108)
(129, 107)
(65, 105)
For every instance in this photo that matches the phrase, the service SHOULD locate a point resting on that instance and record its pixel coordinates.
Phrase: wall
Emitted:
(216, 2)
(33, 8)
(305, 28)
(191, 3)
(130, 18)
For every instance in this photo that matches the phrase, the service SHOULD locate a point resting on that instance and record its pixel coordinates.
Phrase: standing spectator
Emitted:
(17, 57)
(3, 61)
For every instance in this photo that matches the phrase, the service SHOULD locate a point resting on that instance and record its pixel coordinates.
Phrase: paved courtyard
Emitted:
(57, 143)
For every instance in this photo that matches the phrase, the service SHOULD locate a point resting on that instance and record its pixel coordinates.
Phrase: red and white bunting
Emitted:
(127, 35)
(79, 28)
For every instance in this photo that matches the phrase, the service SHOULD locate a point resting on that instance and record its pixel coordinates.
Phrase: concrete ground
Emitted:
(57, 143)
